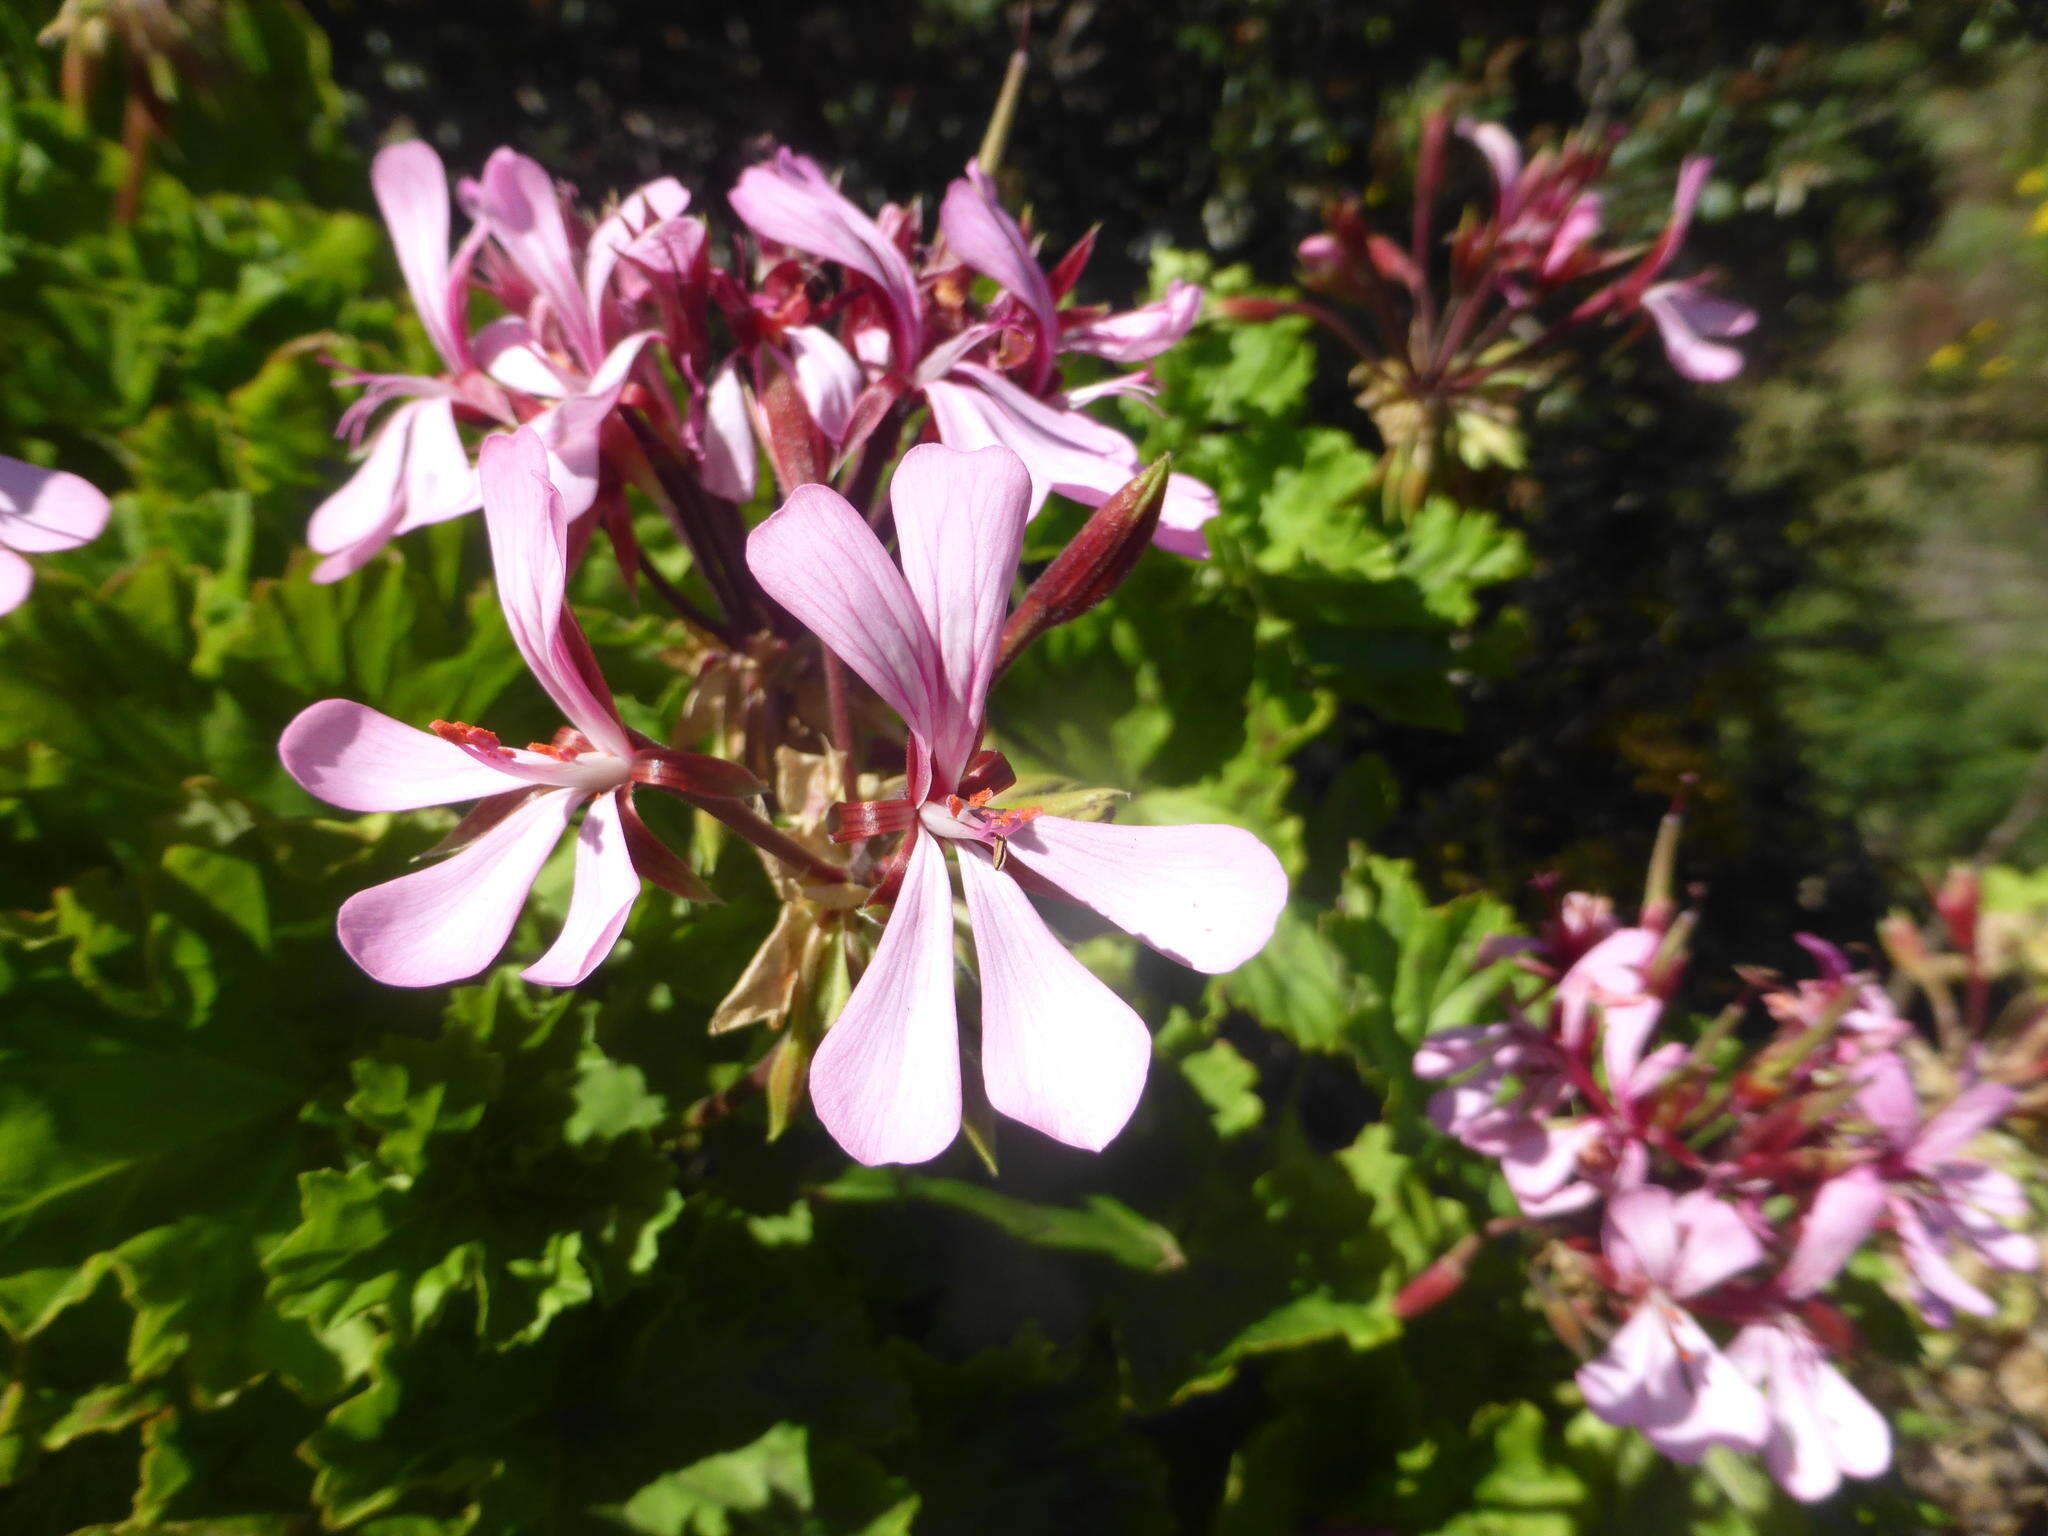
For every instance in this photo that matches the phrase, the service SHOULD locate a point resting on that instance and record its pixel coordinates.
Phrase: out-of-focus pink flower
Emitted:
(1662, 1374)
(1060, 1051)
(1935, 1200)
(42, 512)
(1695, 326)
(1821, 1427)
(448, 921)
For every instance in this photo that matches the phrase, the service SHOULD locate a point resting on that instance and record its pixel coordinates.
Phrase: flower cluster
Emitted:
(624, 356)
(1720, 1182)
(1458, 327)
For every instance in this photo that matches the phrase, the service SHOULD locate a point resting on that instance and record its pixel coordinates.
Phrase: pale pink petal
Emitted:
(1638, 1381)
(412, 192)
(731, 465)
(1066, 452)
(351, 756)
(1610, 974)
(16, 578)
(1641, 1235)
(43, 511)
(438, 481)
(606, 887)
(1938, 1291)
(1980, 1187)
(1724, 1409)
(818, 558)
(448, 921)
(1845, 1211)
(984, 236)
(1207, 896)
(1059, 1050)
(1714, 1243)
(960, 528)
(1581, 222)
(1189, 504)
(1448, 1052)
(1887, 1096)
(1137, 334)
(1690, 321)
(1959, 1123)
(517, 199)
(529, 554)
(886, 1079)
(636, 217)
(1503, 155)
(826, 376)
(361, 514)
(574, 430)
(1543, 1167)
(789, 200)
(1821, 1426)
(1861, 1439)
(507, 350)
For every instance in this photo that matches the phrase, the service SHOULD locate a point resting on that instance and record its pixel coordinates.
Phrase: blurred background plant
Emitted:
(284, 1252)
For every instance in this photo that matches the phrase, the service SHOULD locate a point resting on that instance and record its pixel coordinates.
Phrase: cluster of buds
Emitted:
(899, 388)
(1684, 1189)
(1452, 329)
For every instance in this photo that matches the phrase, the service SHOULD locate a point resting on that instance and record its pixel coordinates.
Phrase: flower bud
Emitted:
(1093, 565)
(1957, 902)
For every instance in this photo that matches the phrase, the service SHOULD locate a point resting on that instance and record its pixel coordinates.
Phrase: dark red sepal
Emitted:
(693, 773)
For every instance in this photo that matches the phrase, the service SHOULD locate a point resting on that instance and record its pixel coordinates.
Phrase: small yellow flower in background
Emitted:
(2032, 183)
(1996, 367)
(1946, 358)
(2038, 225)
(1983, 330)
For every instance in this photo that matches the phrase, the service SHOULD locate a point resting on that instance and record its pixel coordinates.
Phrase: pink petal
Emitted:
(16, 578)
(1638, 1381)
(826, 376)
(1821, 1426)
(351, 756)
(1714, 1243)
(518, 200)
(984, 236)
(1581, 222)
(508, 351)
(731, 466)
(1610, 974)
(789, 200)
(448, 921)
(637, 216)
(412, 191)
(1448, 1052)
(1059, 1050)
(1065, 451)
(362, 514)
(529, 553)
(574, 430)
(1189, 504)
(1960, 1122)
(1686, 320)
(606, 887)
(1938, 1291)
(960, 528)
(1641, 1234)
(886, 1080)
(1207, 896)
(43, 511)
(1137, 334)
(437, 481)
(1724, 1408)
(1503, 155)
(1845, 1211)
(1545, 1165)
(818, 558)
(1887, 1096)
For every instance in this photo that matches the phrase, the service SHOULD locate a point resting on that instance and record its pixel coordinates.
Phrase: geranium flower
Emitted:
(1060, 1051)
(42, 512)
(449, 921)
(1821, 1427)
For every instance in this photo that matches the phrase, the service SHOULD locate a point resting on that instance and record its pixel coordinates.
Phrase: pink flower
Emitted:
(1060, 1051)
(448, 921)
(1935, 1200)
(975, 403)
(1662, 1374)
(1821, 1427)
(1695, 326)
(42, 511)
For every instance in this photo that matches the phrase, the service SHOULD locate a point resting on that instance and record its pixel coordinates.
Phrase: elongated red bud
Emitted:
(796, 447)
(1957, 901)
(1094, 564)
(1439, 1281)
(1253, 309)
(693, 773)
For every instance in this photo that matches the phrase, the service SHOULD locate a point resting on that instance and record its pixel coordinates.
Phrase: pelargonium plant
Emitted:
(910, 392)
(1697, 1199)
(1452, 329)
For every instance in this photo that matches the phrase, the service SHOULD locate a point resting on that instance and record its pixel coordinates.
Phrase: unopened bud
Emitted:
(796, 447)
(1093, 565)
(1957, 901)
(1439, 1280)
(1253, 309)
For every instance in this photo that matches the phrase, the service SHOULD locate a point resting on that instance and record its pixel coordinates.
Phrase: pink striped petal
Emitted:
(517, 199)
(606, 887)
(43, 511)
(16, 579)
(826, 376)
(1141, 333)
(886, 1079)
(574, 429)
(818, 558)
(789, 201)
(1066, 452)
(507, 350)
(1059, 1050)
(1691, 323)
(1207, 896)
(960, 529)
(1965, 1117)
(448, 921)
(638, 216)
(351, 756)
(731, 465)
(529, 552)
(412, 191)
(984, 236)
(438, 481)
